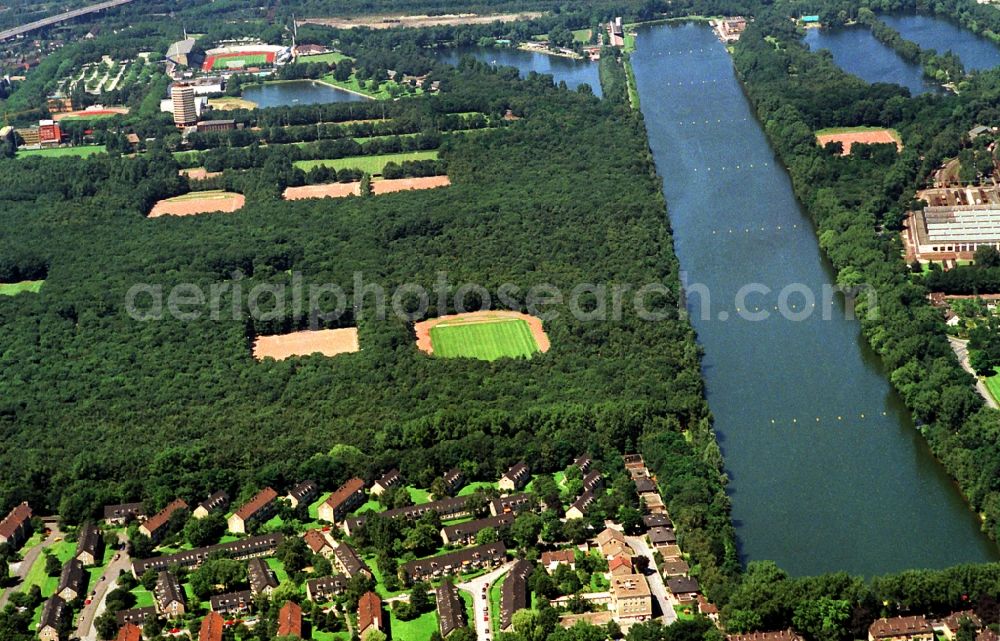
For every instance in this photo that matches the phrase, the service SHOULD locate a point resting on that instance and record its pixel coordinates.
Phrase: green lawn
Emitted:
(251, 60)
(58, 152)
(333, 56)
(581, 35)
(330, 636)
(471, 488)
(495, 603)
(12, 289)
(278, 568)
(418, 495)
(485, 341)
(382, 93)
(143, 597)
(64, 551)
(993, 384)
(369, 164)
(419, 629)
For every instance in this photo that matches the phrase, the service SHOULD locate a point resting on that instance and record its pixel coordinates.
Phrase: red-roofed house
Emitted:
(260, 507)
(290, 620)
(16, 526)
(370, 613)
(340, 503)
(211, 627)
(154, 526)
(130, 632)
(620, 565)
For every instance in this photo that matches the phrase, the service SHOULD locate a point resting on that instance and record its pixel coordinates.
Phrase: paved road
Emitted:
(68, 15)
(105, 584)
(484, 628)
(21, 569)
(656, 586)
(961, 348)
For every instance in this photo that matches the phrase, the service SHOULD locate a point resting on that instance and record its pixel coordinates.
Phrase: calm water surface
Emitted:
(573, 72)
(828, 472)
(856, 51)
(931, 32)
(297, 92)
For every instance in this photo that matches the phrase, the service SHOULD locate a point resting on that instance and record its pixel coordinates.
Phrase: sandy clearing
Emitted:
(423, 328)
(199, 173)
(328, 342)
(390, 21)
(327, 190)
(863, 137)
(188, 205)
(405, 184)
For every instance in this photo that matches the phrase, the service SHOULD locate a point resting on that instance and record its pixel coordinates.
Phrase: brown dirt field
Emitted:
(390, 21)
(423, 328)
(328, 190)
(191, 206)
(864, 137)
(404, 184)
(199, 173)
(328, 342)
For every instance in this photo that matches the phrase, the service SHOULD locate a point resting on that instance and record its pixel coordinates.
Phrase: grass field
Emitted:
(494, 595)
(61, 152)
(419, 629)
(333, 56)
(993, 385)
(471, 488)
(370, 164)
(485, 341)
(250, 60)
(12, 289)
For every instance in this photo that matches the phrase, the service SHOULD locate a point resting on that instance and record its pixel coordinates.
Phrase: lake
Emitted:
(297, 92)
(573, 72)
(856, 51)
(931, 32)
(828, 472)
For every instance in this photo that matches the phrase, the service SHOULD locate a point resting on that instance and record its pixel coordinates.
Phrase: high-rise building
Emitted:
(185, 113)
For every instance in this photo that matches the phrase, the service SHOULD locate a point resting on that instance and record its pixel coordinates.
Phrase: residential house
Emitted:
(620, 565)
(450, 609)
(211, 627)
(15, 528)
(987, 634)
(447, 508)
(349, 561)
(262, 579)
(552, 560)
(660, 536)
(512, 504)
(72, 581)
(318, 543)
(321, 590)
(951, 623)
(54, 619)
(684, 589)
(370, 616)
(129, 632)
(232, 603)
(583, 463)
(339, 504)
(911, 628)
(579, 507)
(123, 513)
(135, 616)
(609, 534)
(290, 620)
(593, 481)
(708, 608)
(465, 533)
(645, 485)
(241, 550)
(88, 544)
(259, 508)
(631, 600)
(514, 592)
(633, 461)
(390, 479)
(656, 520)
(169, 596)
(303, 493)
(615, 549)
(670, 552)
(778, 635)
(454, 563)
(653, 503)
(217, 502)
(674, 567)
(156, 526)
(515, 478)
(454, 479)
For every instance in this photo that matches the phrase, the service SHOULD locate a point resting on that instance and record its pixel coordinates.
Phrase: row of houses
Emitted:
(241, 550)
(901, 628)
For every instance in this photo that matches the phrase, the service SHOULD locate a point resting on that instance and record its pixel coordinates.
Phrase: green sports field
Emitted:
(56, 152)
(486, 341)
(12, 289)
(250, 60)
(368, 164)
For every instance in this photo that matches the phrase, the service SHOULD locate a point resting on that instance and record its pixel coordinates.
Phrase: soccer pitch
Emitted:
(486, 341)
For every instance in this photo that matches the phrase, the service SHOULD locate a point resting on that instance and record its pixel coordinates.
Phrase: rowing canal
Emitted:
(828, 472)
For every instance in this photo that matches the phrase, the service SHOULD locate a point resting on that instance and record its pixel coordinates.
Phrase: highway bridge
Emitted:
(68, 15)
